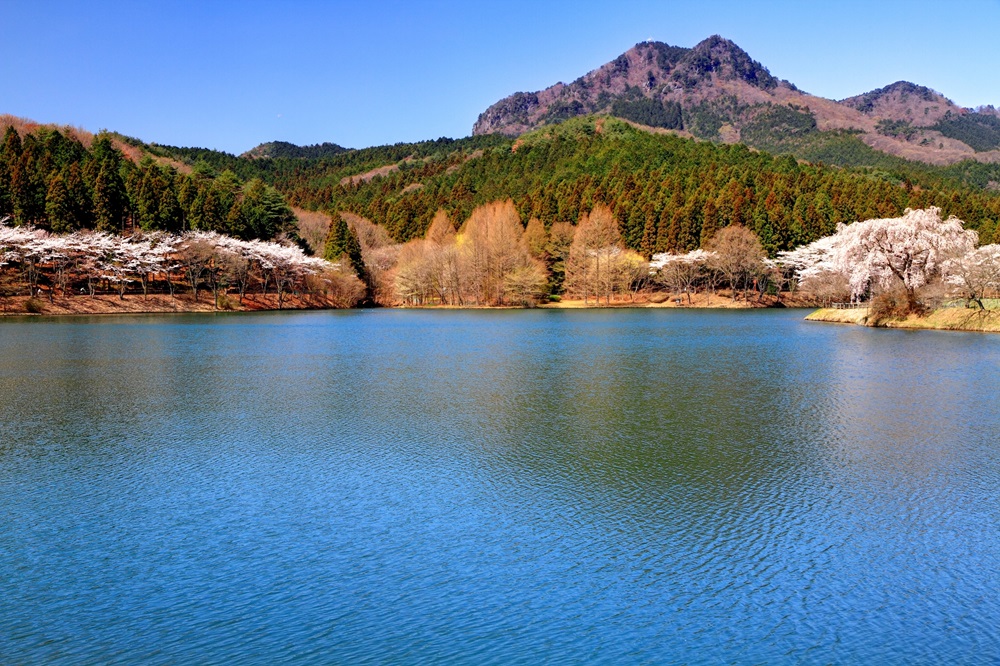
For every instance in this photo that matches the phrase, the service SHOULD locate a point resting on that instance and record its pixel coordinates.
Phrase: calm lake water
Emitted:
(633, 486)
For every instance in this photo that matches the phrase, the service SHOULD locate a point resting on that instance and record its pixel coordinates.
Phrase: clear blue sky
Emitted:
(230, 75)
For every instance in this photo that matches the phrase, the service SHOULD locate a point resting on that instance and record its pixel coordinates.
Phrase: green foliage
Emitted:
(866, 103)
(667, 193)
(668, 56)
(283, 149)
(651, 112)
(563, 110)
(342, 244)
(900, 129)
(704, 121)
(777, 126)
(980, 131)
(51, 180)
(261, 212)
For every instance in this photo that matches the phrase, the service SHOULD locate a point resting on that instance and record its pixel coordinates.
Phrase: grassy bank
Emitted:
(945, 319)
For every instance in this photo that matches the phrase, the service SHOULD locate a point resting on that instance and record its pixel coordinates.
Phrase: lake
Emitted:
(497, 487)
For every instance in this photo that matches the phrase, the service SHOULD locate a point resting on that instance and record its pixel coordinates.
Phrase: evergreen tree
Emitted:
(10, 151)
(109, 199)
(59, 206)
(81, 197)
(342, 245)
(28, 191)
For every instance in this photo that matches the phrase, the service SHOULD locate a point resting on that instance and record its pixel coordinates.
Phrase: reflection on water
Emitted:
(496, 487)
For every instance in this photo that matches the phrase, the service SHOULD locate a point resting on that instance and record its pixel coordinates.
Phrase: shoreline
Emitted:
(942, 319)
(111, 304)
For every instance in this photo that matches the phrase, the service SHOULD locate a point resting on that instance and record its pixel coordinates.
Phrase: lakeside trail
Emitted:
(944, 319)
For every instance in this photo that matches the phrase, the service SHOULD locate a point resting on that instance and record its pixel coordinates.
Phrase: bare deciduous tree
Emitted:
(596, 243)
(737, 254)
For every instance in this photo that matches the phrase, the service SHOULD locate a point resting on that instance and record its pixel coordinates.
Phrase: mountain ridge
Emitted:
(716, 90)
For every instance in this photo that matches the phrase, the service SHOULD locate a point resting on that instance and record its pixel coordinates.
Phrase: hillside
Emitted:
(716, 91)
(64, 179)
(667, 192)
(278, 149)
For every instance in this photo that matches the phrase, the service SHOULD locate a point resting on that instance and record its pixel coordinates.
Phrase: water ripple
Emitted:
(496, 487)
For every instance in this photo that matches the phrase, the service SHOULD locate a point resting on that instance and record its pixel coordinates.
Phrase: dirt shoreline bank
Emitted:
(107, 304)
(944, 319)
(111, 304)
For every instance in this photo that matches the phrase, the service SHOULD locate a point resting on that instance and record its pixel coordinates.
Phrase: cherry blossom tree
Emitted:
(122, 261)
(680, 272)
(904, 253)
(907, 251)
(977, 273)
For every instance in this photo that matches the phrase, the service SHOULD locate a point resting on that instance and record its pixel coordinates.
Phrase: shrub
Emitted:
(224, 302)
(889, 305)
(34, 306)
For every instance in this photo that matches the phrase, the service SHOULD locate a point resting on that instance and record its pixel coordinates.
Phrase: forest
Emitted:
(51, 181)
(667, 193)
(485, 220)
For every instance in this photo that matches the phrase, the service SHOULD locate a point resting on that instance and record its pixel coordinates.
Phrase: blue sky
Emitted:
(230, 75)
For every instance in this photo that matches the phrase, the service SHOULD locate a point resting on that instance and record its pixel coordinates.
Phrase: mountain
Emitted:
(278, 149)
(716, 91)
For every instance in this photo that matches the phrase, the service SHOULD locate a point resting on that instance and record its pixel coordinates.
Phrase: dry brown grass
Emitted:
(944, 319)
(27, 126)
(832, 316)
(720, 299)
(368, 175)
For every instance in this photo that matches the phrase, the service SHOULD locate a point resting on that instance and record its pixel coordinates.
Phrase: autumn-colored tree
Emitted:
(445, 259)
(536, 239)
(441, 231)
